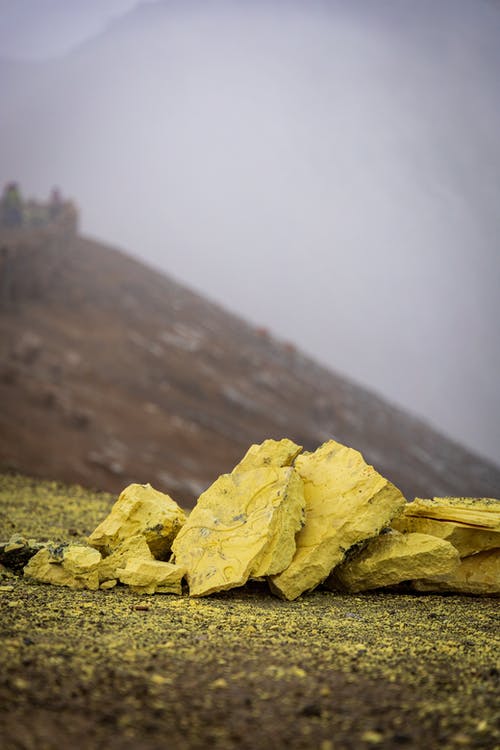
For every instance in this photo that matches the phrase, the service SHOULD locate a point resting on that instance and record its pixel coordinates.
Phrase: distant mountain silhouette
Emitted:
(111, 372)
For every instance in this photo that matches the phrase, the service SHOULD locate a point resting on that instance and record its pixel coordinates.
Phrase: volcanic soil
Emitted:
(113, 669)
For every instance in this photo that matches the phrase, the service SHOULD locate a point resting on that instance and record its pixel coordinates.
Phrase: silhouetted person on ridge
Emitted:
(12, 206)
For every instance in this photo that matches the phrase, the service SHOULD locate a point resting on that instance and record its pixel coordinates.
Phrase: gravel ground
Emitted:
(111, 669)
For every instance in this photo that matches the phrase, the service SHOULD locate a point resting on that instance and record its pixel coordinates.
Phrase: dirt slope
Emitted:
(111, 372)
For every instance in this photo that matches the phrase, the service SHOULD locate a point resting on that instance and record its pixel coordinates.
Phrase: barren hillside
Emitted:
(111, 372)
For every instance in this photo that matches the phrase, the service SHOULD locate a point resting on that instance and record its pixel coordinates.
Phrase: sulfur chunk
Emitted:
(276, 453)
(470, 524)
(392, 558)
(152, 577)
(477, 574)
(140, 509)
(347, 502)
(242, 527)
(135, 548)
(66, 565)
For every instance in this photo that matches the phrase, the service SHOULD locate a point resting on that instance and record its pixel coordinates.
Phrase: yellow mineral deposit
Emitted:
(242, 527)
(152, 577)
(347, 502)
(483, 513)
(74, 566)
(140, 509)
(392, 558)
(477, 574)
(470, 524)
(287, 516)
(269, 453)
(135, 548)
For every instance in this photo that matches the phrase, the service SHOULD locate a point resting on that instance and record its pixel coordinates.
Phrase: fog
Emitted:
(330, 170)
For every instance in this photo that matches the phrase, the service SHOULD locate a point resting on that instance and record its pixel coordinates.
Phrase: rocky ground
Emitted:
(236, 670)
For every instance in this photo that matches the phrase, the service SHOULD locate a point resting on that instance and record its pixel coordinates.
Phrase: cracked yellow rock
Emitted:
(134, 548)
(477, 574)
(466, 539)
(74, 566)
(276, 453)
(140, 509)
(242, 527)
(152, 577)
(347, 502)
(392, 558)
(482, 513)
(470, 524)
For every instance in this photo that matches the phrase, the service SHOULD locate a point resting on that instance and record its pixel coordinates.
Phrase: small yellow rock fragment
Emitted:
(347, 502)
(477, 574)
(392, 558)
(134, 548)
(243, 526)
(109, 584)
(277, 453)
(74, 566)
(152, 576)
(140, 509)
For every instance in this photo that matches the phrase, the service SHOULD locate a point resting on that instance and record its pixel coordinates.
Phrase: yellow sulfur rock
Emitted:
(466, 539)
(483, 513)
(140, 509)
(347, 502)
(477, 574)
(391, 558)
(242, 527)
(135, 548)
(276, 453)
(152, 577)
(74, 566)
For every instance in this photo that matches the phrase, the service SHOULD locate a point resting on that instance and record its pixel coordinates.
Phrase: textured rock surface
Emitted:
(135, 548)
(66, 565)
(347, 502)
(140, 509)
(467, 539)
(483, 512)
(276, 453)
(243, 527)
(477, 574)
(152, 577)
(392, 558)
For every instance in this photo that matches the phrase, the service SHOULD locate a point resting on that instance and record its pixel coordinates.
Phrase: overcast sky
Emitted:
(328, 169)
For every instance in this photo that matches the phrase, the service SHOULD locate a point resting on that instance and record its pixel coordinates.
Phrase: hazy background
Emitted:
(330, 170)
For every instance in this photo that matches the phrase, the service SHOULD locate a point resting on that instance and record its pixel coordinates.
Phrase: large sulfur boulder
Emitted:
(242, 527)
(140, 509)
(71, 565)
(470, 524)
(152, 576)
(477, 574)
(392, 558)
(347, 502)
